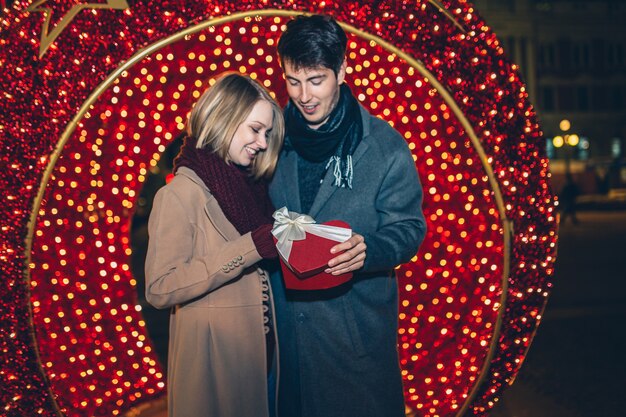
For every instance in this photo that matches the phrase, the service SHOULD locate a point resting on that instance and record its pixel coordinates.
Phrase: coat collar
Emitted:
(212, 207)
(327, 189)
(289, 171)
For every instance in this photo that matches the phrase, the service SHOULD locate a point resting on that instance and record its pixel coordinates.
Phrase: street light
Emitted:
(558, 141)
(571, 140)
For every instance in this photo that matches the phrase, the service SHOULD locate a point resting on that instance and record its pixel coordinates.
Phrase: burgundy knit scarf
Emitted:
(244, 200)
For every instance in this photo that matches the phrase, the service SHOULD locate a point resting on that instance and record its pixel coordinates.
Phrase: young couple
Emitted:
(241, 345)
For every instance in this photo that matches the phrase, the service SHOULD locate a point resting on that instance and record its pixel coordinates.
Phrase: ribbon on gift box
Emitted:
(290, 226)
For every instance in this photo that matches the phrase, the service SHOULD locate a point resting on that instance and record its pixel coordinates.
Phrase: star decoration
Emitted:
(48, 37)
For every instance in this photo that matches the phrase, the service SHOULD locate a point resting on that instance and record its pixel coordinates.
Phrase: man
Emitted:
(338, 353)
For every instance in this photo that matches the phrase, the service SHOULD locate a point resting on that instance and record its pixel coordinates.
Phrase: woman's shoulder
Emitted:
(186, 186)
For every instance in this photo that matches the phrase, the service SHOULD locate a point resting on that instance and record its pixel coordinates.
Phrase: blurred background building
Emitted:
(572, 55)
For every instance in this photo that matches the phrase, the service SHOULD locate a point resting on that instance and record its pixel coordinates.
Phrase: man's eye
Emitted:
(293, 83)
(316, 82)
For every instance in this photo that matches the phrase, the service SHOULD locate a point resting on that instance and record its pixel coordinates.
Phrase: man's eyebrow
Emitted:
(313, 77)
(316, 76)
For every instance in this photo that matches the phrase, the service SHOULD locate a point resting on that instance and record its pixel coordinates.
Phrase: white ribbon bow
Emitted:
(290, 226)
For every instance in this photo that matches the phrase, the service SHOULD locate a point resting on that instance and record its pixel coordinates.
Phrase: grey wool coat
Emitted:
(204, 270)
(338, 348)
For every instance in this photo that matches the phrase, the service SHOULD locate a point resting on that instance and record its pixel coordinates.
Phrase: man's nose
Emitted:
(305, 95)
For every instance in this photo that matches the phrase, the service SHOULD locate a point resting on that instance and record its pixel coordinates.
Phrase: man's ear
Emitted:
(341, 75)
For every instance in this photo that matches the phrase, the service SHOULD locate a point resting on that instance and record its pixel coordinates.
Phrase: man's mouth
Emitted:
(309, 109)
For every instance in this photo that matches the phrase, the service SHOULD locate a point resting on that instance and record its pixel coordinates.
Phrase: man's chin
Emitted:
(314, 122)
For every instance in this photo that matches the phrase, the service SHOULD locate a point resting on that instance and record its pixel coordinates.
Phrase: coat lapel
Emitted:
(287, 182)
(212, 208)
(219, 220)
(327, 189)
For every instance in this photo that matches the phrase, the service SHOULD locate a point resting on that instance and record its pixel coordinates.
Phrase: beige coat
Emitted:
(198, 265)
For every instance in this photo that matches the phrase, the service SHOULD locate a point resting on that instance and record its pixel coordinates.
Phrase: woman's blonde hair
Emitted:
(226, 105)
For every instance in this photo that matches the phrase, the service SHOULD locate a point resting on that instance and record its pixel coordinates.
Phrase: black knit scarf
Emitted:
(243, 199)
(334, 141)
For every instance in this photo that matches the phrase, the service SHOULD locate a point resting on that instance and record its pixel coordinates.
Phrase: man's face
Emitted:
(314, 91)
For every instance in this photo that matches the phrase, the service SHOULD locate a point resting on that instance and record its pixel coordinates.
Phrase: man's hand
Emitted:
(352, 259)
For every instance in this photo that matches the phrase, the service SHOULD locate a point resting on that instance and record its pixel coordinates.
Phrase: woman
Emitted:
(209, 228)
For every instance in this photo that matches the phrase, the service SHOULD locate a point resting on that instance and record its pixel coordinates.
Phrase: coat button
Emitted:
(301, 318)
(225, 268)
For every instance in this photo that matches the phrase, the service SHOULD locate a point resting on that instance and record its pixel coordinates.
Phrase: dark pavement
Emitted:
(576, 366)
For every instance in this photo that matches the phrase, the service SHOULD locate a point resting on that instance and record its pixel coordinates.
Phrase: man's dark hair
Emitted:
(312, 42)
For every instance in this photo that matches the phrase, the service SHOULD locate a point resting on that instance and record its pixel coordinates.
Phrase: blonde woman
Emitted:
(209, 229)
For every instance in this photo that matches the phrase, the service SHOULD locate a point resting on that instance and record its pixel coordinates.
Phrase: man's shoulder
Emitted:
(381, 135)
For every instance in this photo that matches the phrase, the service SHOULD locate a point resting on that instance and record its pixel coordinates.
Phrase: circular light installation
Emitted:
(476, 146)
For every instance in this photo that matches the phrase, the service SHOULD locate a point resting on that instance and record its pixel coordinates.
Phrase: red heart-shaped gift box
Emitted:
(308, 260)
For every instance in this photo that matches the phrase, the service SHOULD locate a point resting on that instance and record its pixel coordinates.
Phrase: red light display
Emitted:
(85, 123)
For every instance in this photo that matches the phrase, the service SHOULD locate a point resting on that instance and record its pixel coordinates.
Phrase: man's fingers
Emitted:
(355, 240)
(351, 264)
(352, 258)
(348, 255)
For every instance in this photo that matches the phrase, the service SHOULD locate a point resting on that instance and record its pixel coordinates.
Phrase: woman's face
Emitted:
(251, 136)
